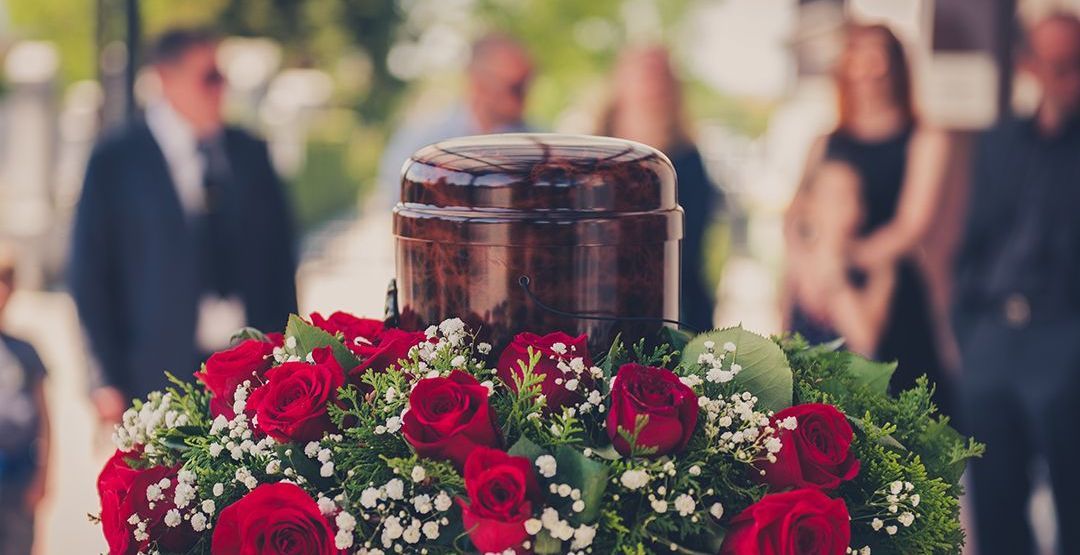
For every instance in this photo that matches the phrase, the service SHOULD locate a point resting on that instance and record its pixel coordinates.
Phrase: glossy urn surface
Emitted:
(593, 222)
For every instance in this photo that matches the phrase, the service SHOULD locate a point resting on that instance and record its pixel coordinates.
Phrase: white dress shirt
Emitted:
(218, 317)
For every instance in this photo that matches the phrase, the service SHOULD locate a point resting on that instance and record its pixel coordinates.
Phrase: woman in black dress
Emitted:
(646, 106)
(898, 165)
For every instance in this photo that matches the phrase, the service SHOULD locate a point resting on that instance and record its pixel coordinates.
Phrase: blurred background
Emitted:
(326, 83)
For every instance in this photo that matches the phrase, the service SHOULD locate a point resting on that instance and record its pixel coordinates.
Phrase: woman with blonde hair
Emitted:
(646, 106)
(898, 165)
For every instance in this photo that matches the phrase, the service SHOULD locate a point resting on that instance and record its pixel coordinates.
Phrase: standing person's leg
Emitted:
(1057, 354)
(16, 523)
(995, 415)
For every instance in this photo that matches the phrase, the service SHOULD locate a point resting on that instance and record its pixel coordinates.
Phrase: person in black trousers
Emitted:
(1017, 312)
(183, 233)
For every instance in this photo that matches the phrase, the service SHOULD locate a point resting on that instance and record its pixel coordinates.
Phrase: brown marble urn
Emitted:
(592, 222)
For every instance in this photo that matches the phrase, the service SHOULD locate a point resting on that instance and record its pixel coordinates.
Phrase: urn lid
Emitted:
(539, 172)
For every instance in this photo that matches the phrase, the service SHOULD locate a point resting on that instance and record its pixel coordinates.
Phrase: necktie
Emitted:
(215, 237)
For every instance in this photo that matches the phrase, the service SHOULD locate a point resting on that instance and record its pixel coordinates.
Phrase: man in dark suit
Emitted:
(1017, 316)
(183, 233)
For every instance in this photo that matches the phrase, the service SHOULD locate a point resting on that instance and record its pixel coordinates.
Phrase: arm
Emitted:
(920, 197)
(795, 213)
(38, 485)
(794, 241)
(94, 277)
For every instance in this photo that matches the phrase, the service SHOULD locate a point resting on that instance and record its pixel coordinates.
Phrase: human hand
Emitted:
(35, 492)
(110, 404)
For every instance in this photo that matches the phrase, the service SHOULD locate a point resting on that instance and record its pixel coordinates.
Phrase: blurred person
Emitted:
(855, 307)
(900, 168)
(24, 429)
(647, 107)
(1017, 307)
(497, 84)
(183, 233)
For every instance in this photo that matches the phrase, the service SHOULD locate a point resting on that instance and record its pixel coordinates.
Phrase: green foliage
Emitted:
(308, 338)
(900, 438)
(904, 499)
(764, 372)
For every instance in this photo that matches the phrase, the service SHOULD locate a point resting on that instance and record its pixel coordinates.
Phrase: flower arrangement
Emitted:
(343, 435)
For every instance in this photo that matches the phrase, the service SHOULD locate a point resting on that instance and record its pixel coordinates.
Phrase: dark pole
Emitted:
(133, 39)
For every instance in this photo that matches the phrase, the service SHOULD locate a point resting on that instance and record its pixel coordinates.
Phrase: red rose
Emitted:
(377, 346)
(557, 365)
(386, 349)
(224, 371)
(349, 326)
(291, 406)
(449, 417)
(800, 522)
(502, 490)
(273, 519)
(123, 493)
(816, 454)
(657, 393)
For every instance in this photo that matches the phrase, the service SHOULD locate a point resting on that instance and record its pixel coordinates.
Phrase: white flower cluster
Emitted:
(199, 514)
(406, 517)
(897, 502)
(865, 550)
(733, 426)
(448, 348)
(140, 425)
(662, 499)
(718, 369)
(286, 352)
(574, 374)
(324, 456)
(580, 537)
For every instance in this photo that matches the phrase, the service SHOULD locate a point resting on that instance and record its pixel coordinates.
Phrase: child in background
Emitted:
(827, 299)
(24, 429)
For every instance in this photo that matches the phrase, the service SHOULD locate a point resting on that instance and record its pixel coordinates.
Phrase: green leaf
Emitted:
(615, 356)
(309, 338)
(830, 347)
(524, 447)
(765, 371)
(544, 544)
(585, 474)
(874, 375)
(246, 333)
(882, 438)
(677, 338)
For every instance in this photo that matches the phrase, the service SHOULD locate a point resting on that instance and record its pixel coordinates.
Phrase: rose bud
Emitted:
(449, 417)
(800, 522)
(502, 492)
(816, 454)
(671, 409)
(564, 361)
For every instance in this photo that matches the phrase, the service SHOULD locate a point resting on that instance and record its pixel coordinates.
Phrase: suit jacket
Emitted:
(134, 268)
(1013, 167)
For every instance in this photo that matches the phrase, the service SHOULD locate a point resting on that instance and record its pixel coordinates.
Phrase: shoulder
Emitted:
(122, 139)
(243, 139)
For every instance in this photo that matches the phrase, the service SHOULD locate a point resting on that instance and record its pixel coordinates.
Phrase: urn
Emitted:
(540, 233)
